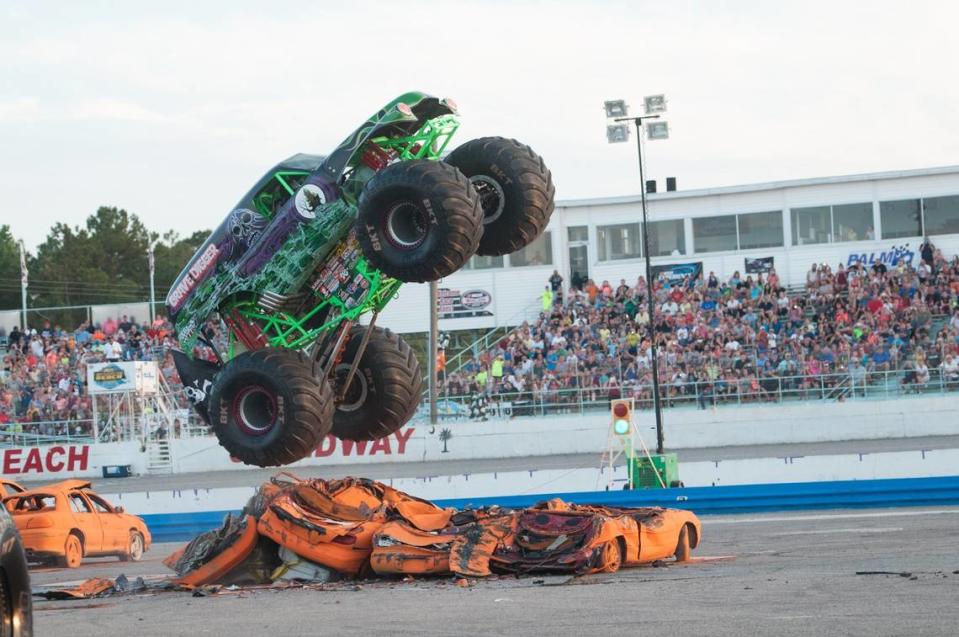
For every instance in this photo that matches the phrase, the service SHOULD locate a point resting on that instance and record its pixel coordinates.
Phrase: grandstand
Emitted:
(735, 324)
(855, 332)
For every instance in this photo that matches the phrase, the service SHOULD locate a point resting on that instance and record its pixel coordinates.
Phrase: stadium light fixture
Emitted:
(616, 108)
(657, 130)
(654, 104)
(617, 133)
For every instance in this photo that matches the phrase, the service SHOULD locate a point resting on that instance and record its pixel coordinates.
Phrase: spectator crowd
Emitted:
(42, 386)
(741, 338)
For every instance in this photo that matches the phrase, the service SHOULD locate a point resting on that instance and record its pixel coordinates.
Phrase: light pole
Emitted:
(23, 286)
(433, 351)
(618, 111)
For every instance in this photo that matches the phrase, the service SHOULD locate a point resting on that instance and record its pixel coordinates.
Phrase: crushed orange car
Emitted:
(557, 536)
(353, 526)
(67, 521)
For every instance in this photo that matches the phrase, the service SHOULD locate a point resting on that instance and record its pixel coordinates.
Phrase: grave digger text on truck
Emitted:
(320, 241)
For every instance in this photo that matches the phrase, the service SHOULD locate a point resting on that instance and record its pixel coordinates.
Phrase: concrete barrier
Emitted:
(534, 436)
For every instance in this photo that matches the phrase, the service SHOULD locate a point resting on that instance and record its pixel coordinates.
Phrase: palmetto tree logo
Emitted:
(445, 436)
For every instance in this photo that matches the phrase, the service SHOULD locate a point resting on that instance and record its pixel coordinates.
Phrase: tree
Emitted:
(9, 270)
(172, 253)
(103, 261)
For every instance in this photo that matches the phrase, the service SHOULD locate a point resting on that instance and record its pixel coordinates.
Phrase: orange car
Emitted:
(558, 536)
(9, 487)
(66, 521)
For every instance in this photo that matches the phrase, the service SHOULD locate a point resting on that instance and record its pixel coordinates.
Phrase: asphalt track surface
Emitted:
(254, 477)
(861, 572)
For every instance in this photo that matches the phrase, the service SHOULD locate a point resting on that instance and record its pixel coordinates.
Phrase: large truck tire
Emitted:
(269, 409)
(385, 390)
(515, 188)
(419, 220)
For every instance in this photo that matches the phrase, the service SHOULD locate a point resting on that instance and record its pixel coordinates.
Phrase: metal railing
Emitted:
(501, 330)
(767, 390)
(51, 432)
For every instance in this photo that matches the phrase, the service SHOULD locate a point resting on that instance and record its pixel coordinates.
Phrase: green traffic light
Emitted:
(621, 427)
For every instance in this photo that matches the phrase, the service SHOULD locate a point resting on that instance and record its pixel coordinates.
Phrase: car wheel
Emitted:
(611, 558)
(682, 547)
(72, 552)
(135, 551)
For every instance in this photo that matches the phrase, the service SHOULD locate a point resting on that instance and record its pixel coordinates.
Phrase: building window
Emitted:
(540, 252)
(900, 218)
(715, 234)
(852, 222)
(667, 238)
(940, 215)
(811, 225)
(479, 262)
(577, 233)
(618, 242)
(760, 230)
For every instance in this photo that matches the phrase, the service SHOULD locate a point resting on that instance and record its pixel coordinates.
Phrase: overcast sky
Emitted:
(173, 109)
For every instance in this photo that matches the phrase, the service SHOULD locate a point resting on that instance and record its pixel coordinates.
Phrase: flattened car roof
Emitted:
(58, 487)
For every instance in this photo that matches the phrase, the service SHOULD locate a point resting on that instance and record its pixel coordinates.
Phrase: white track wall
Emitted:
(522, 437)
(899, 464)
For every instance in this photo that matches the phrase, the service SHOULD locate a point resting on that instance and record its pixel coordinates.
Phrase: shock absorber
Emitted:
(376, 158)
(246, 331)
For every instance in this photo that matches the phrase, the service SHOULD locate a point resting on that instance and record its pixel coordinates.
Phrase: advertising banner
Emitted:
(111, 378)
(759, 265)
(120, 377)
(676, 272)
(465, 304)
(889, 258)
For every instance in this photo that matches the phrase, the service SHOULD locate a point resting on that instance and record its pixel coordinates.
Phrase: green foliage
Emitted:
(103, 261)
(172, 253)
(9, 269)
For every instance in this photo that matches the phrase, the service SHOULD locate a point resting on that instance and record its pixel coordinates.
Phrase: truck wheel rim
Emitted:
(254, 410)
(407, 225)
(356, 393)
(492, 197)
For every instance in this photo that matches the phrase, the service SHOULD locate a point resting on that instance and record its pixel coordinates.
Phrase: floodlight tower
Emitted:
(151, 261)
(618, 132)
(24, 275)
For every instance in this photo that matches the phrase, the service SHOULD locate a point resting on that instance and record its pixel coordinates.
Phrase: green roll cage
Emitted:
(283, 329)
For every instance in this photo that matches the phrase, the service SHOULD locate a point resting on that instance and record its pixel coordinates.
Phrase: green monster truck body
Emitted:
(320, 241)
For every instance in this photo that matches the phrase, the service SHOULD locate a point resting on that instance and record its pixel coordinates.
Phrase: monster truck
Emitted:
(267, 312)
